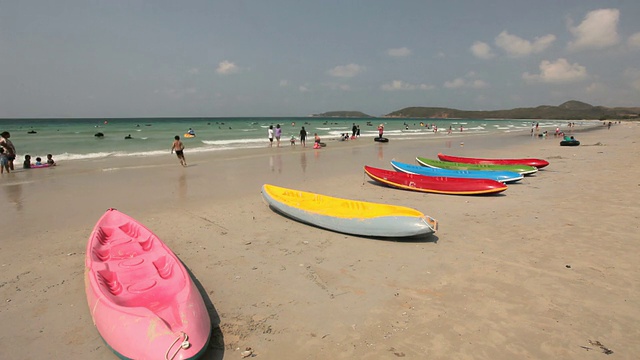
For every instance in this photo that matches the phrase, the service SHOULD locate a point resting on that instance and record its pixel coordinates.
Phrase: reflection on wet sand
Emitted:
(278, 163)
(303, 161)
(182, 186)
(14, 194)
(380, 152)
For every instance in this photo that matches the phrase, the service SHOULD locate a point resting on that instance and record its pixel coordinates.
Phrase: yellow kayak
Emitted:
(348, 216)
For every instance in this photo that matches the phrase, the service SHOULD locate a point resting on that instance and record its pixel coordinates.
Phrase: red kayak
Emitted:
(539, 163)
(435, 184)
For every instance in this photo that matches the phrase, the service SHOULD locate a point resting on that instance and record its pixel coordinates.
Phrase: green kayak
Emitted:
(522, 169)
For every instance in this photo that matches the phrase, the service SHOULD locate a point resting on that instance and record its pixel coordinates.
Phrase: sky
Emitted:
(255, 58)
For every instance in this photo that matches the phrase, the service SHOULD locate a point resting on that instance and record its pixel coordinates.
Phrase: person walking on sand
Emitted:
(178, 147)
(354, 130)
(303, 137)
(9, 149)
(270, 133)
(278, 134)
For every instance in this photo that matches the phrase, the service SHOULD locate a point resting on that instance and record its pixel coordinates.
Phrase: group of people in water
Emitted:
(27, 164)
(276, 134)
(8, 156)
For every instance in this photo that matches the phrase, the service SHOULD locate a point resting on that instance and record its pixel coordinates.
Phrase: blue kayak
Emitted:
(501, 176)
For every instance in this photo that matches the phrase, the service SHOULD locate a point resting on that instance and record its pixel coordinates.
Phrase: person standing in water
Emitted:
(178, 147)
(278, 134)
(270, 133)
(303, 137)
(4, 162)
(9, 149)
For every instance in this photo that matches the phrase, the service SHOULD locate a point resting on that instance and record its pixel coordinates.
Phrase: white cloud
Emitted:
(303, 89)
(516, 46)
(481, 50)
(193, 71)
(226, 68)
(634, 41)
(597, 88)
(440, 54)
(177, 93)
(396, 85)
(337, 86)
(598, 30)
(463, 83)
(350, 70)
(558, 72)
(399, 52)
(284, 83)
(633, 76)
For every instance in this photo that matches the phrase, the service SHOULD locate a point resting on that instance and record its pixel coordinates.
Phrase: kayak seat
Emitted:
(164, 266)
(137, 283)
(147, 244)
(109, 280)
(101, 254)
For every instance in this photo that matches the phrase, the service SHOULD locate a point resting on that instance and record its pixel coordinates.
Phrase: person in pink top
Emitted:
(278, 134)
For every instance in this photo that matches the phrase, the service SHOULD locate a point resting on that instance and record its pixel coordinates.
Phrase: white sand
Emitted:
(536, 272)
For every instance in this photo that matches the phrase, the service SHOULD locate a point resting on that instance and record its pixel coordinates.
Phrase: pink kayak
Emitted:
(142, 299)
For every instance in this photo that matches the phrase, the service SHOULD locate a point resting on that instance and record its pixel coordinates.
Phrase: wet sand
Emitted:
(543, 270)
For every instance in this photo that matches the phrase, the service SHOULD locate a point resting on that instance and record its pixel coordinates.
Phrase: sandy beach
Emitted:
(546, 270)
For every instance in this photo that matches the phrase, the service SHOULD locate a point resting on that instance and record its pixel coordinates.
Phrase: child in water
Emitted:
(4, 161)
(27, 162)
(38, 161)
(50, 160)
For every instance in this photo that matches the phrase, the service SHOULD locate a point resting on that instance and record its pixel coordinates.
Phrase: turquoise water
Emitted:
(73, 139)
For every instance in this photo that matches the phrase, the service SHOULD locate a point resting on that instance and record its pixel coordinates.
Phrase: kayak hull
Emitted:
(522, 169)
(141, 297)
(348, 216)
(501, 176)
(435, 184)
(539, 163)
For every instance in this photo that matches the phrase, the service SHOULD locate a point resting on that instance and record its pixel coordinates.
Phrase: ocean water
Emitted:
(73, 139)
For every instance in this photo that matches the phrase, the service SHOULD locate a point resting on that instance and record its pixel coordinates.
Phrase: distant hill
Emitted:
(570, 110)
(343, 114)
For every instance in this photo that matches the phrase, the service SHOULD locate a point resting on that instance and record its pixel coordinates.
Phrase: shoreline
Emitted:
(493, 283)
(68, 142)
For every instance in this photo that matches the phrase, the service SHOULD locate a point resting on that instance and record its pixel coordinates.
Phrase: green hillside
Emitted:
(570, 110)
(343, 114)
